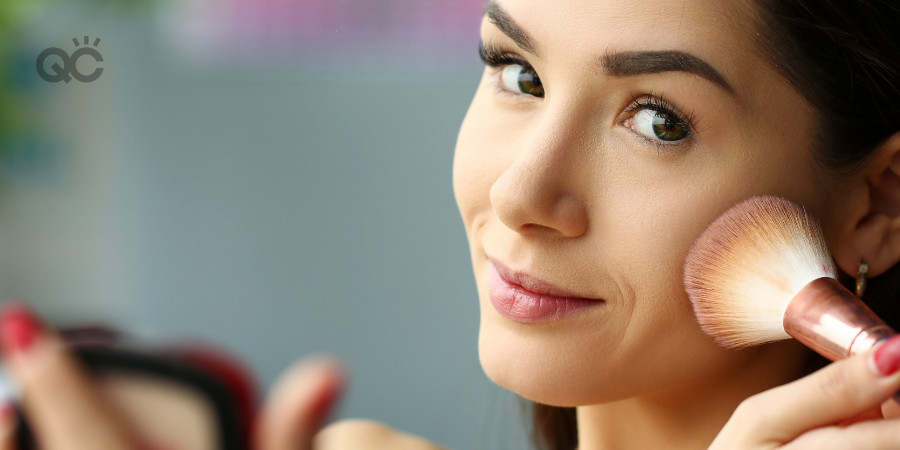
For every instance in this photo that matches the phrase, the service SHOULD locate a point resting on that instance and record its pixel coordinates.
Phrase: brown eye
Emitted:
(519, 79)
(660, 126)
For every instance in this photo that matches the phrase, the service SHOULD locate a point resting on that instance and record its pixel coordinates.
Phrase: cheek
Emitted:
(654, 233)
(477, 162)
(647, 214)
(663, 210)
(653, 236)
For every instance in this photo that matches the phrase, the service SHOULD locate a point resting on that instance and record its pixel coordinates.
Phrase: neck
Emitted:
(692, 416)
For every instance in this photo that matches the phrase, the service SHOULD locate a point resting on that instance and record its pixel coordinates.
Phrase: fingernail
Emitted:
(7, 412)
(19, 328)
(325, 406)
(887, 356)
(8, 422)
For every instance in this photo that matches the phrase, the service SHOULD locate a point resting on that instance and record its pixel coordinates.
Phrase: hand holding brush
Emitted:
(761, 273)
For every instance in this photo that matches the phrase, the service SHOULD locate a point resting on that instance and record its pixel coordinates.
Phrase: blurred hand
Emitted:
(837, 407)
(67, 411)
(299, 402)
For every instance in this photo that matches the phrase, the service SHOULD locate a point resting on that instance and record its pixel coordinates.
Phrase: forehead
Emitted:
(721, 32)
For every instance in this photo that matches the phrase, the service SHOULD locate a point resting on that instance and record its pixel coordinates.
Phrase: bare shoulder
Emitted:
(367, 434)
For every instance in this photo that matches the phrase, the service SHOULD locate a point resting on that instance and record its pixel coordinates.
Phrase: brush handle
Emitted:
(827, 318)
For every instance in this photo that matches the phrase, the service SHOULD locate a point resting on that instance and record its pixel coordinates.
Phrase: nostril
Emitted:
(571, 218)
(542, 213)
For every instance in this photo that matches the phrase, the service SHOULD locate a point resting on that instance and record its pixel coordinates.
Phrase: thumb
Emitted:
(842, 390)
(299, 403)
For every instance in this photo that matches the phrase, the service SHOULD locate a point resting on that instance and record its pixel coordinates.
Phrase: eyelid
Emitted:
(496, 56)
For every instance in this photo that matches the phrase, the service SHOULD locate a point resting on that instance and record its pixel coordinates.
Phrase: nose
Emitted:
(542, 190)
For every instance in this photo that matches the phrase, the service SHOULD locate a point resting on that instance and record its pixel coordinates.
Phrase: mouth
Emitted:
(526, 299)
(532, 284)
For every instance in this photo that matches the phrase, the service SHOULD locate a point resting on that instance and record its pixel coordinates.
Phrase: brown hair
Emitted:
(844, 58)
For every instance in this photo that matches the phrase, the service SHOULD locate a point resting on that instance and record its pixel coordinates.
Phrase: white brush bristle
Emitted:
(742, 272)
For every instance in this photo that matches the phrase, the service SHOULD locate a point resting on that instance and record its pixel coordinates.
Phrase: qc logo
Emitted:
(65, 67)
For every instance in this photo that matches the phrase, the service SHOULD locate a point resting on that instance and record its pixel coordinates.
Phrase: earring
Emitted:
(861, 278)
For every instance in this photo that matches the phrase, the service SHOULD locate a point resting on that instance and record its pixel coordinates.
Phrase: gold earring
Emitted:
(861, 278)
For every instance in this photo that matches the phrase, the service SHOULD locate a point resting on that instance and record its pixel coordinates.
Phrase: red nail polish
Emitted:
(7, 412)
(19, 328)
(887, 356)
(324, 406)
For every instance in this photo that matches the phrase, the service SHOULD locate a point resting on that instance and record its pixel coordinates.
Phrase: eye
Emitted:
(659, 125)
(656, 120)
(514, 75)
(520, 79)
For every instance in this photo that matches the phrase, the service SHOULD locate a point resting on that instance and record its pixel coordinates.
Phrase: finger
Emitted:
(839, 391)
(63, 407)
(869, 414)
(890, 409)
(870, 435)
(7, 427)
(299, 403)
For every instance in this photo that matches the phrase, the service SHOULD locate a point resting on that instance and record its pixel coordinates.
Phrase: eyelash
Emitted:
(496, 57)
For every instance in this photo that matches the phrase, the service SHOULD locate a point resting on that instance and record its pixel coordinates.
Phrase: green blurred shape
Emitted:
(16, 113)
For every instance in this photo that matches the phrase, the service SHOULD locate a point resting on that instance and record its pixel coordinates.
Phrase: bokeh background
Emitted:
(273, 176)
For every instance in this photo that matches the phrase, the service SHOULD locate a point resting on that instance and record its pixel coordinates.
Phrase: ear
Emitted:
(871, 232)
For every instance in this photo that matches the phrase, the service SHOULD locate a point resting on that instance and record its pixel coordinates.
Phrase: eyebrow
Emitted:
(501, 19)
(622, 63)
(643, 62)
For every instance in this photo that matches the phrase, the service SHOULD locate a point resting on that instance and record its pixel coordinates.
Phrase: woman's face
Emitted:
(602, 140)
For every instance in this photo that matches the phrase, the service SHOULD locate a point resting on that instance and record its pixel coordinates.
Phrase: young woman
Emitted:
(603, 138)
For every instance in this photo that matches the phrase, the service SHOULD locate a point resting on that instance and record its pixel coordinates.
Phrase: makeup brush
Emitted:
(761, 272)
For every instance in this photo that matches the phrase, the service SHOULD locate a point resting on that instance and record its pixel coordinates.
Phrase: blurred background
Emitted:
(273, 176)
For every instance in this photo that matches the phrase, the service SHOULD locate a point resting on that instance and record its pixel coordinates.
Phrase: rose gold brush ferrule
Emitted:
(827, 318)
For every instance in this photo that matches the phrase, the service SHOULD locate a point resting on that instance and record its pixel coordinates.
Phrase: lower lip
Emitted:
(521, 305)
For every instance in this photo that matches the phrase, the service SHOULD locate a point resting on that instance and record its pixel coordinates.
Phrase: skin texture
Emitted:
(565, 189)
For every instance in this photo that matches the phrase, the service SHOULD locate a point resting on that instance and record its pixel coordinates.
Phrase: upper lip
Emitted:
(533, 284)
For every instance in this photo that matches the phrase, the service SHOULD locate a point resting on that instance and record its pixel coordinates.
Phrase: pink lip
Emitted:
(524, 299)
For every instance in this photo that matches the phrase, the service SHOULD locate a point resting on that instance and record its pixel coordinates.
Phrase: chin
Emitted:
(535, 369)
(535, 388)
